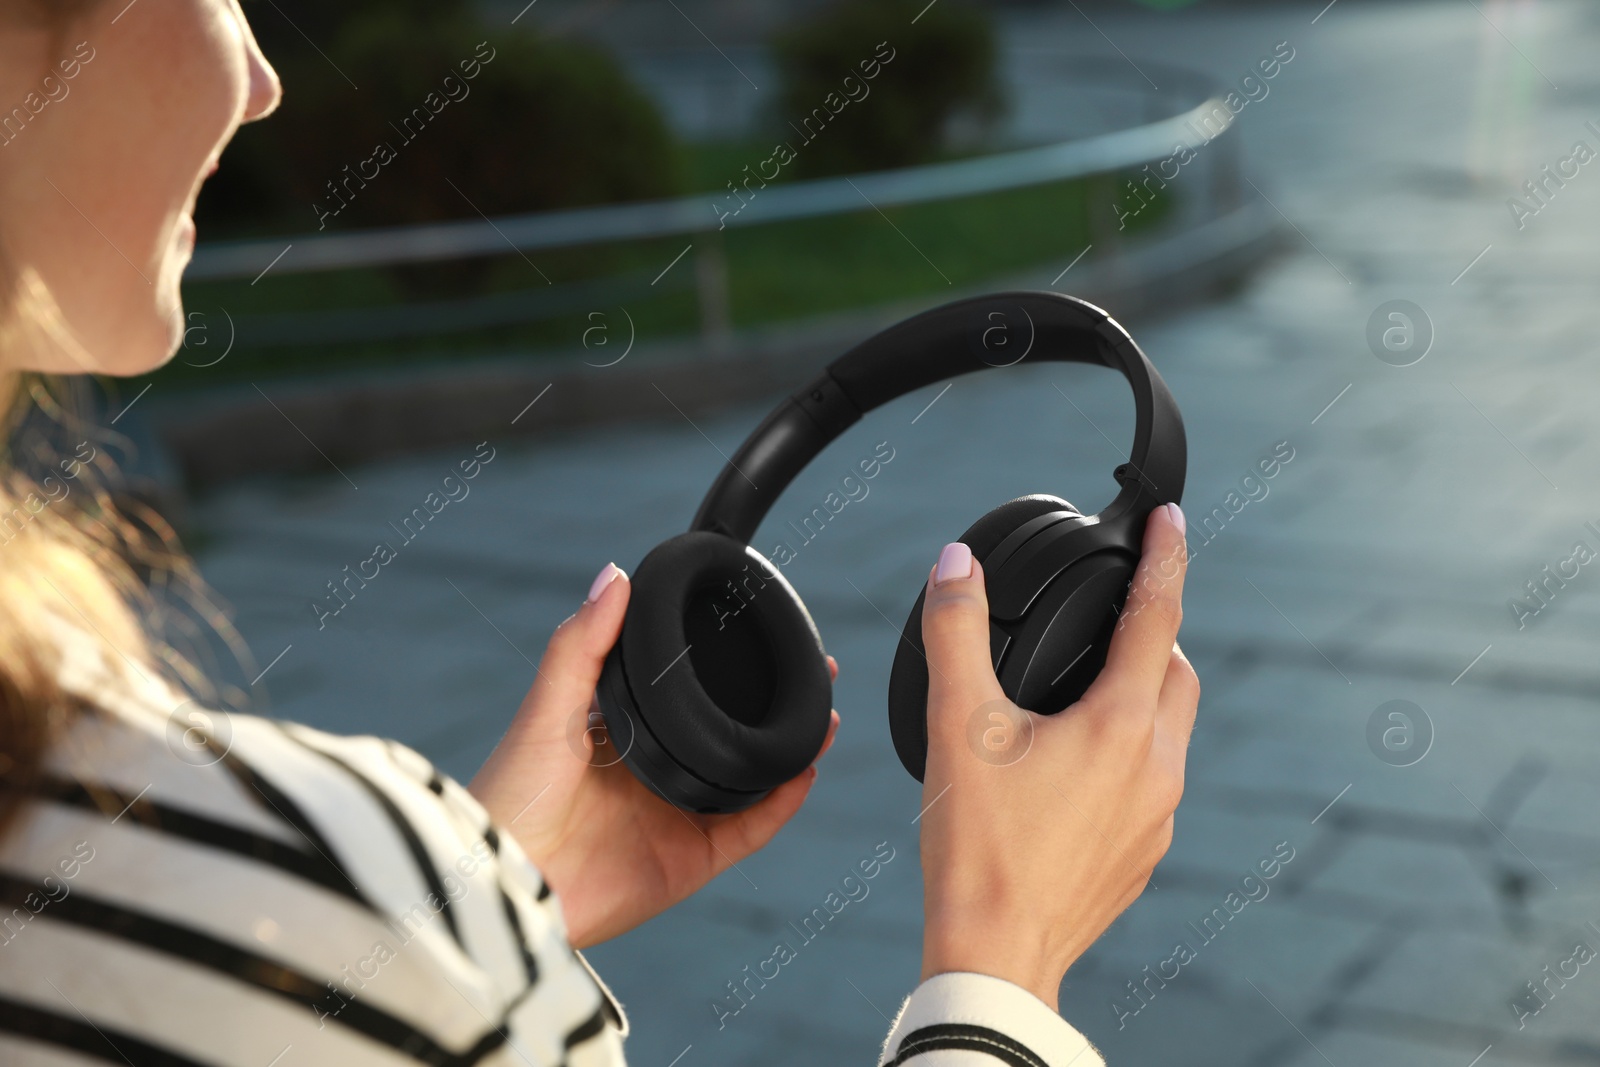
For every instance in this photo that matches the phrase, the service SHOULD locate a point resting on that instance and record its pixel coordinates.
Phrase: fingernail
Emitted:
(608, 574)
(954, 562)
(1175, 513)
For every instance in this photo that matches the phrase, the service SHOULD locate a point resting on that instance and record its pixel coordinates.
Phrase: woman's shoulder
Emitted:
(341, 887)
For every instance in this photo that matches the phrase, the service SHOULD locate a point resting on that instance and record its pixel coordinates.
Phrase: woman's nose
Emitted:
(266, 91)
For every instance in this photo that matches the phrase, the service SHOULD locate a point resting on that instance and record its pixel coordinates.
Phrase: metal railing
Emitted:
(1197, 128)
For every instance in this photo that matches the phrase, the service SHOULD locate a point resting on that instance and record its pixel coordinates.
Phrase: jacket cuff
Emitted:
(609, 1004)
(992, 1021)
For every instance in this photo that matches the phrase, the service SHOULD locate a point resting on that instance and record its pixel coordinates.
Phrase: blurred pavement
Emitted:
(1380, 566)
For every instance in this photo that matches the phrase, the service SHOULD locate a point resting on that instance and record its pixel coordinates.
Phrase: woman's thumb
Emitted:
(570, 668)
(955, 632)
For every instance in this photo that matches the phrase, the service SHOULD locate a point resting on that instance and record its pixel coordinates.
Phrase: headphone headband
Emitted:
(998, 330)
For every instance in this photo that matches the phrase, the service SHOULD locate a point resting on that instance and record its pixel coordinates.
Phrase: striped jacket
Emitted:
(195, 888)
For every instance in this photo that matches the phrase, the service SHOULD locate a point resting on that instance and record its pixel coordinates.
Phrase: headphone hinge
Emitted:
(825, 402)
(1127, 472)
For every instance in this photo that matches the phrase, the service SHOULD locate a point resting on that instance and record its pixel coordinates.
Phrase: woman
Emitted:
(192, 887)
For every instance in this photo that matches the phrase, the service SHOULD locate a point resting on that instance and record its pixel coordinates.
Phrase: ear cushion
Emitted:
(908, 678)
(724, 665)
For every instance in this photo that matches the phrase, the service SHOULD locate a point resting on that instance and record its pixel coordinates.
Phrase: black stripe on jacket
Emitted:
(277, 800)
(80, 1035)
(408, 833)
(968, 1038)
(251, 968)
(163, 818)
(491, 840)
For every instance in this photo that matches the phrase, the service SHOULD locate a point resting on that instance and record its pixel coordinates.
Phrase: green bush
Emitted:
(939, 67)
(539, 124)
(293, 28)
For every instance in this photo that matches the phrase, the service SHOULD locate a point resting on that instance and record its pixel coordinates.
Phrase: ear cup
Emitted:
(1059, 647)
(717, 690)
(908, 678)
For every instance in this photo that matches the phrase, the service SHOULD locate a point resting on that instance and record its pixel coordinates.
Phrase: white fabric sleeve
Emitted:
(974, 1020)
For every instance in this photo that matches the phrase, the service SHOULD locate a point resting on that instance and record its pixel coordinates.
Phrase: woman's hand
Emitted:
(1040, 829)
(616, 853)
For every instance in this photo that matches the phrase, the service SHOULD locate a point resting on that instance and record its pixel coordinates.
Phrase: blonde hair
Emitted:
(106, 564)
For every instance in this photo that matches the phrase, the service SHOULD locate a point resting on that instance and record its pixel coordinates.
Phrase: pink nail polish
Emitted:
(609, 573)
(1176, 514)
(954, 562)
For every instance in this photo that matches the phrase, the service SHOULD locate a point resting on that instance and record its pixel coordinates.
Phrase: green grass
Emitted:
(791, 269)
(775, 273)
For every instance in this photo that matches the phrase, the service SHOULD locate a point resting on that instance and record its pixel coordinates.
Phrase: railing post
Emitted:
(711, 286)
(1227, 174)
(1104, 229)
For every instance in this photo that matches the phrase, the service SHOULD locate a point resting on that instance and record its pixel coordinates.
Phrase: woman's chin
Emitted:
(145, 349)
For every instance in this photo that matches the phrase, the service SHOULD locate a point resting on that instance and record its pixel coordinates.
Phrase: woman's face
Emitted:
(108, 126)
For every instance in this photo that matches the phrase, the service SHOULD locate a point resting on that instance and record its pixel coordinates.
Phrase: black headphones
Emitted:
(712, 709)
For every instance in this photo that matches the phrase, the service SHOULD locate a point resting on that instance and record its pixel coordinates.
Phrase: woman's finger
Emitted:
(1175, 714)
(955, 632)
(737, 836)
(1136, 663)
(833, 728)
(1179, 699)
(570, 668)
(741, 834)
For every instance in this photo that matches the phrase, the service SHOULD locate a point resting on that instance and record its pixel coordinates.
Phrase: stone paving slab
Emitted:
(1351, 1046)
(1419, 502)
